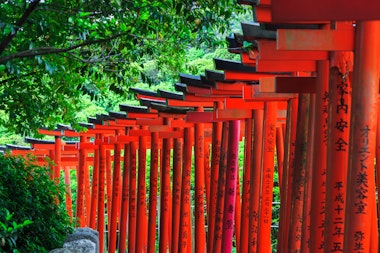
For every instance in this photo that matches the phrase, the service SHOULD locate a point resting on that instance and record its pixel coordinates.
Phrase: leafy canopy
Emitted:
(33, 215)
(53, 51)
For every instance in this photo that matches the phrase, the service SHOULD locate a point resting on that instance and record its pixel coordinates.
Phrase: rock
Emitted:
(80, 246)
(85, 233)
(60, 250)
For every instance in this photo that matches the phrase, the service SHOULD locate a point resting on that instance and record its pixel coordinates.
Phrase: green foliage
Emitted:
(10, 231)
(53, 51)
(32, 207)
(7, 137)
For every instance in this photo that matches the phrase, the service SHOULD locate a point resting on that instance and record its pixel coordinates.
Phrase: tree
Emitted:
(33, 215)
(53, 51)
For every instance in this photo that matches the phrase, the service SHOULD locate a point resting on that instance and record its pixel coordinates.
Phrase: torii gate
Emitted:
(292, 92)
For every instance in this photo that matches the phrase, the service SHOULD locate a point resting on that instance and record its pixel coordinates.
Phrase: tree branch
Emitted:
(19, 23)
(53, 50)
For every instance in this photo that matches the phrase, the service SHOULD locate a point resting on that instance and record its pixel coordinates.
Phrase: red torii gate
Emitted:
(304, 65)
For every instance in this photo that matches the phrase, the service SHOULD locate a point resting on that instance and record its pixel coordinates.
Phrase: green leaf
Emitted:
(84, 14)
(145, 15)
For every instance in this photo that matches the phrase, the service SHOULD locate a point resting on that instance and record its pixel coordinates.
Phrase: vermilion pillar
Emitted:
(269, 142)
(87, 187)
(280, 154)
(177, 178)
(125, 200)
(207, 168)
(298, 184)
(101, 194)
(116, 193)
(337, 158)
(307, 202)
(95, 188)
(69, 206)
(81, 184)
(215, 161)
(365, 88)
(319, 163)
(109, 184)
(200, 233)
(57, 157)
(132, 198)
(244, 215)
(378, 156)
(185, 230)
(154, 160)
(258, 117)
(218, 232)
(165, 222)
(231, 179)
(141, 230)
(237, 212)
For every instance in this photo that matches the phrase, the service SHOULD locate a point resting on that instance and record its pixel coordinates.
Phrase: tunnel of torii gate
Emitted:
(305, 92)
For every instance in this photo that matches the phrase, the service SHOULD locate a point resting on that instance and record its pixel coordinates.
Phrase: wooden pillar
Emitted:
(109, 185)
(200, 233)
(95, 187)
(307, 202)
(177, 178)
(280, 154)
(231, 179)
(132, 198)
(87, 187)
(258, 119)
(185, 230)
(319, 164)
(141, 230)
(165, 222)
(361, 180)
(101, 194)
(215, 162)
(116, 193)
(337, 159)
(69, 205)
(81, 184)
(265, 211)
(124, 213)
(207, 167)
(154, 160)
(57, 157)
(244, 215)
(218, 232)
(298, 184)
(288, 170)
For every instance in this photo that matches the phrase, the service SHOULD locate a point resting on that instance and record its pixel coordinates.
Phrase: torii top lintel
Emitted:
(337, 10)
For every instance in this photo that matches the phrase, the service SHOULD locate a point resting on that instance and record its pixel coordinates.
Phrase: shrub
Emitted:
(32, 210)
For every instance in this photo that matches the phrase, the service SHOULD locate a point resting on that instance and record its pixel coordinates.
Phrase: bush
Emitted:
(33, 216)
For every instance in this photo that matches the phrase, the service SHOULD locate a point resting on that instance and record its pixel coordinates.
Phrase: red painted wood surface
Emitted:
(124, 212)
(230, 192)
(258, 117)
(176, 201)
(142, 218)
(319, 164)
(337, 159)
(185, 230)
(165, 222)
(266, 194)
(200, 233)
(298, 10)
(363, 139)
